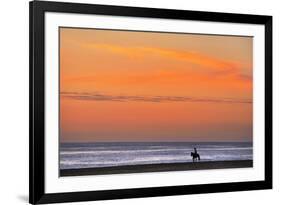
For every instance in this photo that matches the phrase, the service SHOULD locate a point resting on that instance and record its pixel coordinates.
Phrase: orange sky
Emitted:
(149, 86)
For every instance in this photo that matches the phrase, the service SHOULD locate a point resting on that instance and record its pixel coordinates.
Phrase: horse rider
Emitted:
(195, 150)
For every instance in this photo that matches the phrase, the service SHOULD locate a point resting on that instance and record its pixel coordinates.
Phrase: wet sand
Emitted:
(157, 168)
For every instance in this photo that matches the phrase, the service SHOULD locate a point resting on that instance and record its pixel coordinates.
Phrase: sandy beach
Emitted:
(157, 168)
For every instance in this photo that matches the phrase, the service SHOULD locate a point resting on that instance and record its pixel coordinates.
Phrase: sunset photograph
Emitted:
(139, 101)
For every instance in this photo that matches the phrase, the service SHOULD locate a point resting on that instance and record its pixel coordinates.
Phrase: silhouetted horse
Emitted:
(195, 156)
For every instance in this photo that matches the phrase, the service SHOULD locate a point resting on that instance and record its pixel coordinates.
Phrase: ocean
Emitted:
(108, 154)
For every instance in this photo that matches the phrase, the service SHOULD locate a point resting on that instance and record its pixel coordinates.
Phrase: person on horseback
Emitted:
(195, 156)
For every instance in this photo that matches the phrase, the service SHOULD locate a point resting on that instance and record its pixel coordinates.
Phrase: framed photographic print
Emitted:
(140, 102)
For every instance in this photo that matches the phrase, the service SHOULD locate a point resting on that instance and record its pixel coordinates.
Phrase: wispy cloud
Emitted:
(141, 98)
(212, 64)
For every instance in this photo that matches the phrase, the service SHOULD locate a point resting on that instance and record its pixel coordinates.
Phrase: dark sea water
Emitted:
(108, 154)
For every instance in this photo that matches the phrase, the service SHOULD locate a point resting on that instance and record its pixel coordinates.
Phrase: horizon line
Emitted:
(148, 141)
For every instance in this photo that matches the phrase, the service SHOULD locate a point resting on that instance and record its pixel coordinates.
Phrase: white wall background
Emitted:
(14, 100)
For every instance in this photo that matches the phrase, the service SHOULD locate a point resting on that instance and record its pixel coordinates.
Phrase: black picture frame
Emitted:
(37, 9)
